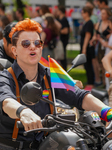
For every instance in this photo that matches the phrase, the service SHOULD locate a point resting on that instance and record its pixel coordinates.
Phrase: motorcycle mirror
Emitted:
(61, 104)
(79, 60)
(4, 64)
(31, 93)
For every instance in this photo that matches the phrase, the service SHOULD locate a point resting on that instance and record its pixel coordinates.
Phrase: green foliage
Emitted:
(77, 73)
(21, 4)
(72, 54)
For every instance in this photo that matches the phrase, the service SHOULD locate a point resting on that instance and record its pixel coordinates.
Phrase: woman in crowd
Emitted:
(103, 29)
(86, 35)
(49, 32)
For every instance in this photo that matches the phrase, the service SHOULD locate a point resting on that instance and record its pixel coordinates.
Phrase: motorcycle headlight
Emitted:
(68, 111)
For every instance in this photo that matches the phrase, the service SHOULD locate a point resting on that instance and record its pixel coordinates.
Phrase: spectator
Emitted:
(64, 32)
(86, 35)
(49, 32)
(10, 16)
(102, 4)
(103, 29)
(99, 4)
(43, 10)
(34, 15)
(2, 9)
(93, 17)
(5, 44)
(20, 14)
(3, 22)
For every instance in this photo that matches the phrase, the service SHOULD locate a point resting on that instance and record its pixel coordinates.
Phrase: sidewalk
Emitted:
(73, 47)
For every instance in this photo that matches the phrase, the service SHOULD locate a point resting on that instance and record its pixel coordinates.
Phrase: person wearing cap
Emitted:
(5, 44)
(27, 47)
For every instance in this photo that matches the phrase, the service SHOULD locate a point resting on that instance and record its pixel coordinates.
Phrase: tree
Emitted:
(19, 4)
(90, 0)
(61, 2)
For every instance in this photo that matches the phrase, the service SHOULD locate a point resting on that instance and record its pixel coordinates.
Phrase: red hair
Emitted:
(26, 25)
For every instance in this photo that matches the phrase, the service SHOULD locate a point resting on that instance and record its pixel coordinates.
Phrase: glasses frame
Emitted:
(41, 45)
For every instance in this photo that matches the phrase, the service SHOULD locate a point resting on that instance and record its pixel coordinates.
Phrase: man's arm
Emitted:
(28, 118)
(64, 30)
(106, 61)
(92, 103)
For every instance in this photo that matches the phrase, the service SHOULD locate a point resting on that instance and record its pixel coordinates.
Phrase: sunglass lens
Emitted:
(38, 43)
(25, 43)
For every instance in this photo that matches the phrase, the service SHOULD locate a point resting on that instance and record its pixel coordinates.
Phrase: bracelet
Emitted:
(106, 114)
(18, 111)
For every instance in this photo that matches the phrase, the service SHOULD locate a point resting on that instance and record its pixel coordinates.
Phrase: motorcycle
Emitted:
(64, 132)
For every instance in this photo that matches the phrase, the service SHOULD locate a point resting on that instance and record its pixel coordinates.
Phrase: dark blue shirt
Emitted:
(8, 90)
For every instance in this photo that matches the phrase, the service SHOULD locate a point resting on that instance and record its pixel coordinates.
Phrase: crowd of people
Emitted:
(96, 40)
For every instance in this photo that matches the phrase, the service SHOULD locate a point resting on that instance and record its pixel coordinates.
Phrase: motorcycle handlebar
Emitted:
(45, 123)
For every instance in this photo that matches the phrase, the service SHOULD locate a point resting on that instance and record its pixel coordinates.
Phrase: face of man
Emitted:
(58, 12)
(30, 55)
(101, 5)
(7, 48)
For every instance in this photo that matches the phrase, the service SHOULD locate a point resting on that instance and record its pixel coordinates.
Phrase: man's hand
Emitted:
(79, 84)
(30, 120)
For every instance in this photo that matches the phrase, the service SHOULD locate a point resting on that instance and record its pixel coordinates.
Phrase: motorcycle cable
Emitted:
(73, 122)
(107, 135)
(77, 123)
(81, 132)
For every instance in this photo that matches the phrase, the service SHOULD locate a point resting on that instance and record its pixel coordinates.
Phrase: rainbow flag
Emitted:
(59, 77)
(44, 62)
(45, 93)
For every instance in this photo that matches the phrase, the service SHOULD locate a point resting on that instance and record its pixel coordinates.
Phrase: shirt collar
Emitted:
(18, 71)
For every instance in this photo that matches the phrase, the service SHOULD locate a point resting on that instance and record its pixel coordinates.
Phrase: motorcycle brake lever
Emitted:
(52, 129)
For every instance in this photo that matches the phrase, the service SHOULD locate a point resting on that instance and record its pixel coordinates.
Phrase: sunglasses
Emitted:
(27, 43)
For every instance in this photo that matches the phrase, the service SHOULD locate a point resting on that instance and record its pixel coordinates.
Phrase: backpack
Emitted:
(59, 50)
(52, 43)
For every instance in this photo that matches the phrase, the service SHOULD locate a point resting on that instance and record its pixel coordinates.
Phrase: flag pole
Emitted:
(54, 98)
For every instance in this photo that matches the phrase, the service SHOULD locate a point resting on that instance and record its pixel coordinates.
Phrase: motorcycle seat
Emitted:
(99, 93)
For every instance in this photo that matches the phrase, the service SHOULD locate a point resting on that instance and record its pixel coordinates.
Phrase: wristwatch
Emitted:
(19, 110)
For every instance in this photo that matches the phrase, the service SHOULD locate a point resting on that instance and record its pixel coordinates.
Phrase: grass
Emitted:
(77, 73)
(72, 54)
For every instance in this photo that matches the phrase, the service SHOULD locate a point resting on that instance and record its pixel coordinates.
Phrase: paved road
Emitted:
(74, 47)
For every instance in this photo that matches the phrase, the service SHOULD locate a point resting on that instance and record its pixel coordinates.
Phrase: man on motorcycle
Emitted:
(27, 48)
(5, 43)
